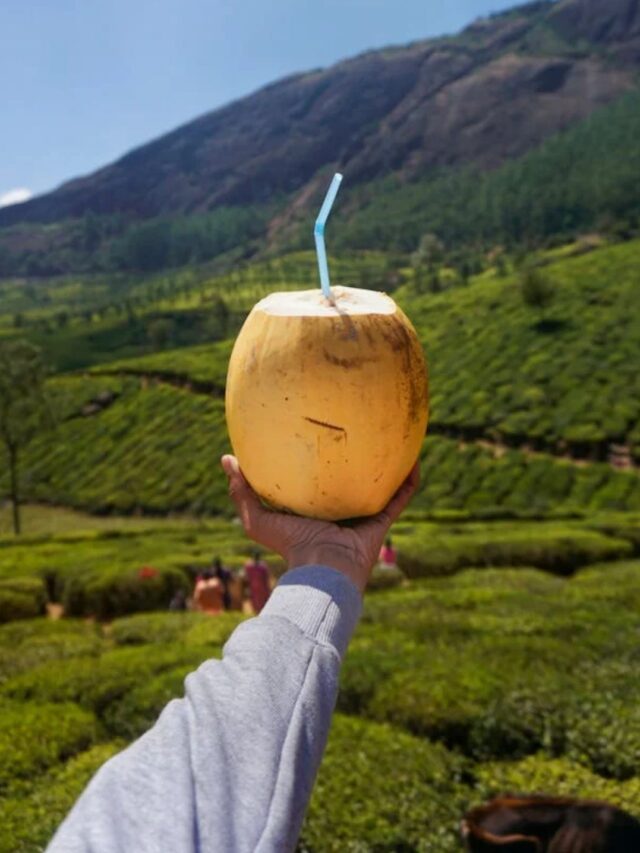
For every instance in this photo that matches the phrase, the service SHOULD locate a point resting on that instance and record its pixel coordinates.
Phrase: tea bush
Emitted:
(557, 548)
(29, 822)
(381, 789)
(152, 627)
(97, 682)
(138, 710)
(495, 367)
(102, 572)
(21, 598)
(191, 628)
(539, 774)
(34, 737)
(498, 663)
(16, 606)
(603, 732)
(213, 632)
(40, 640)
(111, 593)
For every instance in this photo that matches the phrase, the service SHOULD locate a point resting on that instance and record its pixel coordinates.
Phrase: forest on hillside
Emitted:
(581, 180)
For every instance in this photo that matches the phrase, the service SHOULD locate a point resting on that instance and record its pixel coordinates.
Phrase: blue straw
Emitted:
(318, 233)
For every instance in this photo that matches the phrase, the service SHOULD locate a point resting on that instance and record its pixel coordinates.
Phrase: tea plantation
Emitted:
(453, 689)
(506, 660)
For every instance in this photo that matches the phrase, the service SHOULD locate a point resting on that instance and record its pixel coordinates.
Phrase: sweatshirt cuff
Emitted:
(321, 601)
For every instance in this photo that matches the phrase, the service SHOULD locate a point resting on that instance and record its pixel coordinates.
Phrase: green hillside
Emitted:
(579, 180)
(491, 188)
(526, 405)
(84, 321)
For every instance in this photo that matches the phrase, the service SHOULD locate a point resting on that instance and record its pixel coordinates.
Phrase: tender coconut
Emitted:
(327, 401)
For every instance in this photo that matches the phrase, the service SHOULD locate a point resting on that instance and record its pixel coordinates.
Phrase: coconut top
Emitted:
(312, 303)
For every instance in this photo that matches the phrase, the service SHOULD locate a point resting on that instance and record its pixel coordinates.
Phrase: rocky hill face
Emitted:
(491, 93)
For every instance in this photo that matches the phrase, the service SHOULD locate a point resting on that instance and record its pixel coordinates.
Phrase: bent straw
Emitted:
(318, 233)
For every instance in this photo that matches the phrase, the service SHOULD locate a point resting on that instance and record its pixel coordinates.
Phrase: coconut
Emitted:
(327, 402)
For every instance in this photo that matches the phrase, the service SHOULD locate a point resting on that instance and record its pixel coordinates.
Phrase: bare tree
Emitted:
(24, 409)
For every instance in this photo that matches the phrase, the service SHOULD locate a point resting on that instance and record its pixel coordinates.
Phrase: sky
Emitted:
(84, 81)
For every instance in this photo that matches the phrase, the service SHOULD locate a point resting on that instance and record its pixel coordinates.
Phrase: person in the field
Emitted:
(256, 573)
(208, 595)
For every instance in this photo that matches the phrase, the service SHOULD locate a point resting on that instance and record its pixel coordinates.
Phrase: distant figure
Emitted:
(257, 575)
(178, 602)
(388, 555)
(207, 595)
(224, 576)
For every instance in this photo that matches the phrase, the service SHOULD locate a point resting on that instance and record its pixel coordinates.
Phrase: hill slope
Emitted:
(492, 93)
(528, 408)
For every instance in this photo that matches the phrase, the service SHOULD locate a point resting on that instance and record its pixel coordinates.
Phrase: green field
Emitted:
(506, 661)
(453, 689)
(525, 408)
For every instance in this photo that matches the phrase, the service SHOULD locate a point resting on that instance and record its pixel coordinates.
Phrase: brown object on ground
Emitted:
(540, 824)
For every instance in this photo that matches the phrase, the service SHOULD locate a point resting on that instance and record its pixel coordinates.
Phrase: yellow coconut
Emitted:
(327, 403)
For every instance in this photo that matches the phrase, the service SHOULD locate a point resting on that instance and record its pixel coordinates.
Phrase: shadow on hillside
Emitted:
(552, 327)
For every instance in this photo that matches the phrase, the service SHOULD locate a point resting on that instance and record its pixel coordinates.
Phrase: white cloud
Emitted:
(15, 196)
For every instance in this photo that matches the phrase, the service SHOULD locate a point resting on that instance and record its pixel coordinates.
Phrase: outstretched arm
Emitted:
(231, 766)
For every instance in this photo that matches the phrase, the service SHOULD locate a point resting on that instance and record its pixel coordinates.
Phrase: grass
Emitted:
(40, 520)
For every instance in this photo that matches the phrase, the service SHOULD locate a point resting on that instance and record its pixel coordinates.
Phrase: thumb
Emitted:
(247, 503)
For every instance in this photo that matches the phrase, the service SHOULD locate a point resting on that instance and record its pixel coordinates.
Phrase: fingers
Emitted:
(400, 500)
(248, 506)
(379, 524)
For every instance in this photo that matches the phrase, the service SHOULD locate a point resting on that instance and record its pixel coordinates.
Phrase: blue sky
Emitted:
(83, 81)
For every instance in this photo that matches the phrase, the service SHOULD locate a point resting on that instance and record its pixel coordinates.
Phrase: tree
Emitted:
(24, 408)
(536, 288)
(220, 312)
(430, 252)
(160, 332)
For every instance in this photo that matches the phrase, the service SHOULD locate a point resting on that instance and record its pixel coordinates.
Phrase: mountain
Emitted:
(489, 94)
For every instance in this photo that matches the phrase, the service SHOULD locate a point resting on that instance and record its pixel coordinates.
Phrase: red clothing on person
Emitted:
(257, 574)
(147, 572)
(388, 555)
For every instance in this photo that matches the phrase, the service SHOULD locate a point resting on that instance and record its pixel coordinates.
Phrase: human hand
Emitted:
(304, 541)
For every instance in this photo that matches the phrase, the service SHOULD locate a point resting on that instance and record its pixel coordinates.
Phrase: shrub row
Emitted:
(502, 663)
(106, 573)
(29, 822)
(21, 598)
(191, 628)
(496, 367)
(111, 593)
(95, 683)
(34, 737)
(381, 789)
(137, 710)
(540, 774)
(29, 643)
(428, 550)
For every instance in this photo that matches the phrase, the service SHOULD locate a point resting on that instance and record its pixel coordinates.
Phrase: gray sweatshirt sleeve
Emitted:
(231, 766)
